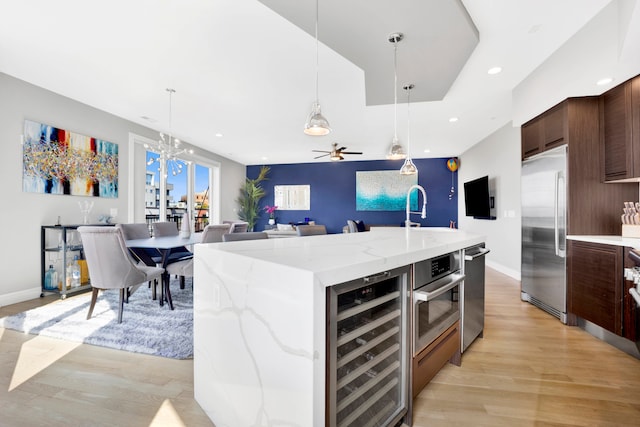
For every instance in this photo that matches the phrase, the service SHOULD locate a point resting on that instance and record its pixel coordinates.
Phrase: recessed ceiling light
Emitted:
(494, 70)
(149, 119)
(604, 81)
(453, 119)
(218, 135)
(534, 28)
(426, 150)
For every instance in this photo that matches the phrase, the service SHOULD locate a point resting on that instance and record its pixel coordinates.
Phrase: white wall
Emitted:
(606, 47)
(497, 156)
(22, 214)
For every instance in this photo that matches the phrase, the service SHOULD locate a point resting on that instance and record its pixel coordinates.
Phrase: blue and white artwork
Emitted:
(384, 191)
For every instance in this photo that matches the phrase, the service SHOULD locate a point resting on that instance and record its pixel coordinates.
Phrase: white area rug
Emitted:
(146, 327)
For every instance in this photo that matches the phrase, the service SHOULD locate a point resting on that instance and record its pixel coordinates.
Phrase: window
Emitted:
(195, 189)
(202, 193)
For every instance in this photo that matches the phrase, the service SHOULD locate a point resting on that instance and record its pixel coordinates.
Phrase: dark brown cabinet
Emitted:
(620, 131)
(593, 207)
(531, 138)
(595, 284)
(630, 318)
(548, 130)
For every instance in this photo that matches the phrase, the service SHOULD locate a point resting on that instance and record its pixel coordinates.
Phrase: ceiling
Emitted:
(437, 40)
(246, 69)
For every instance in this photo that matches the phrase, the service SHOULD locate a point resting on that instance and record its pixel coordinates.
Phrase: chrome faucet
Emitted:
(423, 214)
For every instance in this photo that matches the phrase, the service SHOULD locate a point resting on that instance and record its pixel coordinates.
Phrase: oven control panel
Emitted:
(434, 268)
(440, 265)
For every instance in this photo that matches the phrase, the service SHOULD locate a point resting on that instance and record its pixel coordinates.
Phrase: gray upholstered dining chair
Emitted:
(311, 230)
(212, 233)
(237, 226)
(240, 227)
(111, 265)
(249, 235)
(140, 231)
(182, 269)
(151, 257)
(163, 229)
(148, 256)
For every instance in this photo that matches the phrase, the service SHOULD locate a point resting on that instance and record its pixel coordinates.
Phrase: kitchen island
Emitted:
(260, 316)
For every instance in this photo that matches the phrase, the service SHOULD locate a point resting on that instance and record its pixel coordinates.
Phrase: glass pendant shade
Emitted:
(316, 124)
(396, 151)
(408, 168)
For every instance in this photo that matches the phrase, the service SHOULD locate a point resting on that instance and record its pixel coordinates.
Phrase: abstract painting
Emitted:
(57, 161)
(384, 191)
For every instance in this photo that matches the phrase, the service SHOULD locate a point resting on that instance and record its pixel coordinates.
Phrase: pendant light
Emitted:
(408, 168)
(316, 124)
(396, 151)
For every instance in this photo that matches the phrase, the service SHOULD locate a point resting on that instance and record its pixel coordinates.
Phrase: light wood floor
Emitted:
(49, 382)
(528, 370)
(531, 370)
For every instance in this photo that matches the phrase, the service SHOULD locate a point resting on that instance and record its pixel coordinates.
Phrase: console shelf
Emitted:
(58, 245)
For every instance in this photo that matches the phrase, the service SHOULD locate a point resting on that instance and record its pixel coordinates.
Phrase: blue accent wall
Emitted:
(333, 193)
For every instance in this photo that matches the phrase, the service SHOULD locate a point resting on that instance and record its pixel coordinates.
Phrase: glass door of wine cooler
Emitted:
(368, 351)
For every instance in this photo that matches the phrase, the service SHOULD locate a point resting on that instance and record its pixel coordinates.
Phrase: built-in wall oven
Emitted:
(436, 316)
(436, 304)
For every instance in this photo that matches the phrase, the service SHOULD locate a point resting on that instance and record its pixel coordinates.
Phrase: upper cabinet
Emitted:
(593, 207)
(531, 138)
(620, 131)
(546, 131)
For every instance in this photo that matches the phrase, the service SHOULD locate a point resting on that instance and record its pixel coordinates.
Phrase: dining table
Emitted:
(164, 245)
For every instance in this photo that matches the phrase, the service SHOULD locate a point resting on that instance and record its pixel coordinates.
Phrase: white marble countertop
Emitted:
(337, 258)
(260, 316)
(630, 242)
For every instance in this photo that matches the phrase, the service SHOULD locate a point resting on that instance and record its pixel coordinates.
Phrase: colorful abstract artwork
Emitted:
(384, 191)
(57, 161)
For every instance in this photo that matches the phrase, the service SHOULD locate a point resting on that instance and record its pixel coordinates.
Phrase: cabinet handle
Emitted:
(376, 277)
(429, 296)
(481, 252)
(562, 253)
(555, 141)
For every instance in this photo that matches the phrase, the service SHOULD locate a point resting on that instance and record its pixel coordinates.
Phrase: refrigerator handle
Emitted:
(561, 252)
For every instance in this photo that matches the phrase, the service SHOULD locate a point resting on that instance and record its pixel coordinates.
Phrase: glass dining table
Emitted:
(164, 245)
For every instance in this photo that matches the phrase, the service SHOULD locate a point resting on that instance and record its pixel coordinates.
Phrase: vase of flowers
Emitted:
(271, 210)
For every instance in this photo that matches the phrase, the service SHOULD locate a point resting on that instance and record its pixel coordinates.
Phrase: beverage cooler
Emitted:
(368, 351)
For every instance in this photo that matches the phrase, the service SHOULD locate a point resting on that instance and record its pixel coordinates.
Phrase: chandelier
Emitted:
(169, 149)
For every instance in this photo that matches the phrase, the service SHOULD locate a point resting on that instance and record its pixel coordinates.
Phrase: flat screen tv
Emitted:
(476, 198)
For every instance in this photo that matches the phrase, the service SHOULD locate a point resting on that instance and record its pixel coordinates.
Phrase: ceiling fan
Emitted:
(336, 153)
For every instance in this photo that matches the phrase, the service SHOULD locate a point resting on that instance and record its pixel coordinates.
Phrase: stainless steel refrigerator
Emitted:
(544, 225)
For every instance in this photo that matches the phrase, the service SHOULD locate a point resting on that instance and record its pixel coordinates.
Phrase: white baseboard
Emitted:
(19, 296)
(504, 270)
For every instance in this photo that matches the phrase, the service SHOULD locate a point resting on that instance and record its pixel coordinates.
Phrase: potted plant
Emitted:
(271, 210)
(250, 194)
